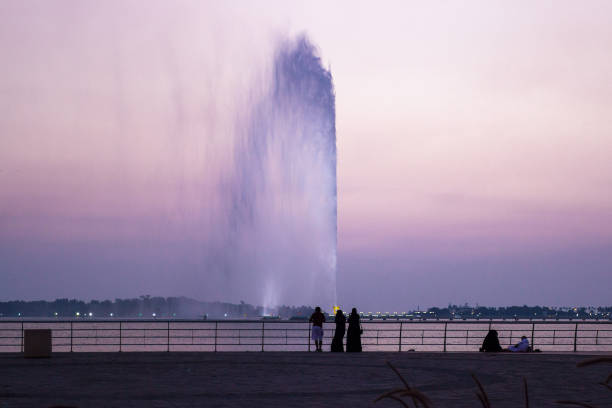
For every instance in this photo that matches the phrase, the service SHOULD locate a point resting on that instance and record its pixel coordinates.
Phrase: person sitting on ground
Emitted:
(491, 343)
(520, 347)
(317, 319)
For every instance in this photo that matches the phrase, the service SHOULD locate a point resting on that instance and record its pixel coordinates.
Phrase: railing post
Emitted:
(216, 326)
(445, 327)
(263, 327)
(400, 339)
(532, 330)
(597, 337)
(71, 336)
(575, 335)
(120, 335)
(168, 333)
(309, 337)
(22, 336)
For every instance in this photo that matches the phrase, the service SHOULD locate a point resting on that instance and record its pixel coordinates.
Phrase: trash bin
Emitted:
(37, 343)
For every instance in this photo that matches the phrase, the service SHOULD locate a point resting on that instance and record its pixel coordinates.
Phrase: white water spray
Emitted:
(283, 214)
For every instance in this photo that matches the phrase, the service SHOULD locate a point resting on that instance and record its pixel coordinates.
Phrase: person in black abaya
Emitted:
(353, 336)
(491, 342)
(336, 344)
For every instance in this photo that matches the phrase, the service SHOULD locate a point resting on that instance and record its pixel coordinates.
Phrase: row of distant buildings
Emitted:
(147, 307)
(467, 312)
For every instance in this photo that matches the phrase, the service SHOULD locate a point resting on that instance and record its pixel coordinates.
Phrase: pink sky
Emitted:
(474, 144)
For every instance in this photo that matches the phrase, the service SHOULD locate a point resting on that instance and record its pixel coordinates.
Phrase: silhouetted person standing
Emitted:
(491, 342)
(337, 345)
(353, 336)
(317, 320)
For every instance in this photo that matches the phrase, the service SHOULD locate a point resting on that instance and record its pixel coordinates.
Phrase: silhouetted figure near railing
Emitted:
(317, 319)
(337, 345)
(521, 347)
(353, 335)
(491, 342)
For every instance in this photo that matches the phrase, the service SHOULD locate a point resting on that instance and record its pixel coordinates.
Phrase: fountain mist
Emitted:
(283, 217)
(177, 152)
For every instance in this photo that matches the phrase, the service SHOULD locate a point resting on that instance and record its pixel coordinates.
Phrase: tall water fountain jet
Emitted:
(193, 156)
(283, 214)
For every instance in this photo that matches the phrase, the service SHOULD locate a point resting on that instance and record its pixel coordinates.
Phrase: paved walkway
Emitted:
(293, 379)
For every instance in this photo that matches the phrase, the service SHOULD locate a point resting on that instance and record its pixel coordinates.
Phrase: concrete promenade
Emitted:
(294, 379)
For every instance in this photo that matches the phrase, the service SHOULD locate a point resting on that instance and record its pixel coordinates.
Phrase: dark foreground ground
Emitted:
(293, 379)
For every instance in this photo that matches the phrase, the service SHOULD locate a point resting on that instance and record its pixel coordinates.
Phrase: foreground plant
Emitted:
(605, 383)
(398, 394)
(484, 399)
(420, 399)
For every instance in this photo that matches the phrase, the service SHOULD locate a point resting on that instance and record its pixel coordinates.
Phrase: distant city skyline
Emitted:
(147, 307)
(473, 146)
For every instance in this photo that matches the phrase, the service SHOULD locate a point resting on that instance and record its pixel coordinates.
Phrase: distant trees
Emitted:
(521, 312)
(147, 306)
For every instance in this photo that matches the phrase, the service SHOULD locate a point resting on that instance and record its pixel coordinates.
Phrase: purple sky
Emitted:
(474, 146)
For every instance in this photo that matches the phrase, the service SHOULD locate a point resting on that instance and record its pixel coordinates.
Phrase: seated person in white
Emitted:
(522, 346)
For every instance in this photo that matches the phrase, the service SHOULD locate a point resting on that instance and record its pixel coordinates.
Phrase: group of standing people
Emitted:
(353, 335)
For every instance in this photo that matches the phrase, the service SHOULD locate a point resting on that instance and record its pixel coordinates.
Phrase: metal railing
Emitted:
(249, 335)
